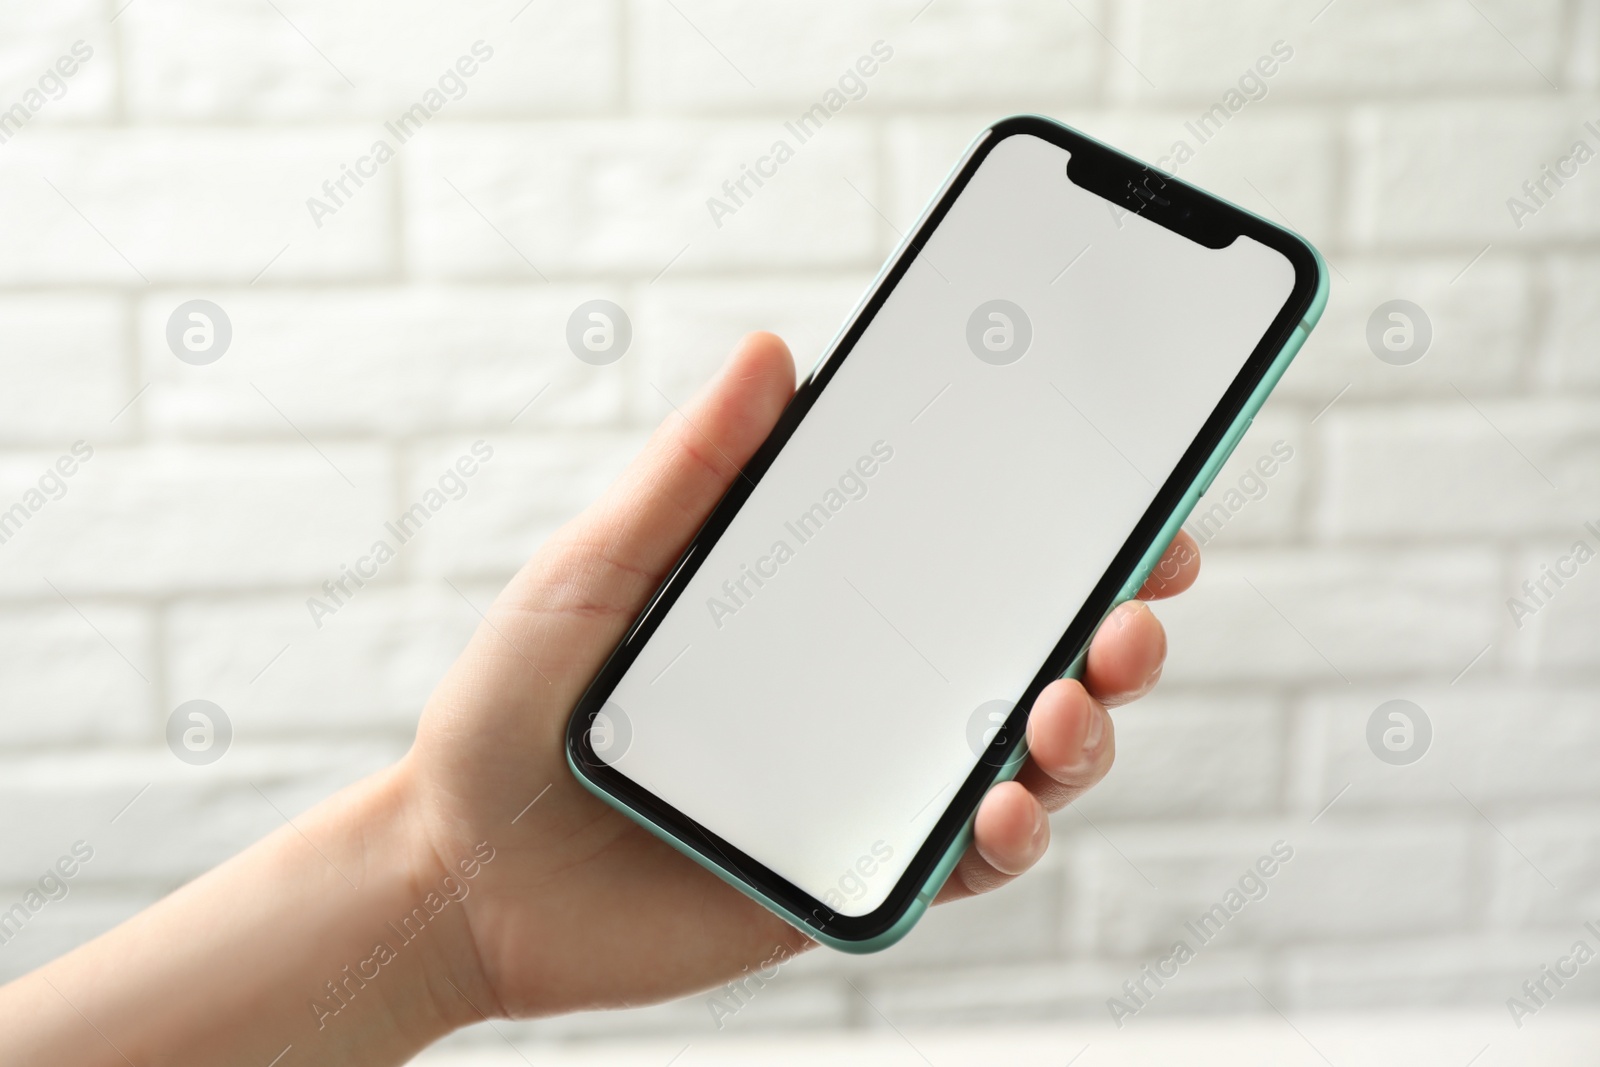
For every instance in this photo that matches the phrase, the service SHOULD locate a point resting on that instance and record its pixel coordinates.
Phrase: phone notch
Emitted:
(1154, 195)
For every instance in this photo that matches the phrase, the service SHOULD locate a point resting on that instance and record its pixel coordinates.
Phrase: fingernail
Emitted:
(1096, 730)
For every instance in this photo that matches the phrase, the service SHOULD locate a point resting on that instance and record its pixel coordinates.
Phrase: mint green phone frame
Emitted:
(1179, 514)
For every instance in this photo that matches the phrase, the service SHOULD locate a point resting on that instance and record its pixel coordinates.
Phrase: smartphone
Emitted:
(992, 454)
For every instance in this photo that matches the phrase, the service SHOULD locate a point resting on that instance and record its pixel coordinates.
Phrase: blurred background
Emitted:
(1430, 457)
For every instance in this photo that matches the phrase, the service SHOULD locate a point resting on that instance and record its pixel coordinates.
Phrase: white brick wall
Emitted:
(427, 311)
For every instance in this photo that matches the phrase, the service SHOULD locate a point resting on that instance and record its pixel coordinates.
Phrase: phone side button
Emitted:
(1228, 445)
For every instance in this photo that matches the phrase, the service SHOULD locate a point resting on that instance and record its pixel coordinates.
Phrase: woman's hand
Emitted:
(583, 909)
(477, 877)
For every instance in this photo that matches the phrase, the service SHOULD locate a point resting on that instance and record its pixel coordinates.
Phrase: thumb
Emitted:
(647, 517)
(598, 571)
(551, 629)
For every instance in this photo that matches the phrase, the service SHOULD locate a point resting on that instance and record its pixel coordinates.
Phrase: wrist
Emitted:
(415, 960)
(312, 939)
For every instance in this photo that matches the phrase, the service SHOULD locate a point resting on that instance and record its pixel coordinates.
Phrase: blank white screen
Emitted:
(819, 720)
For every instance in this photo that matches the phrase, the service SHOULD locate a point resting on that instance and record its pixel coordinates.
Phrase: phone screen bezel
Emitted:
(1124, 182)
